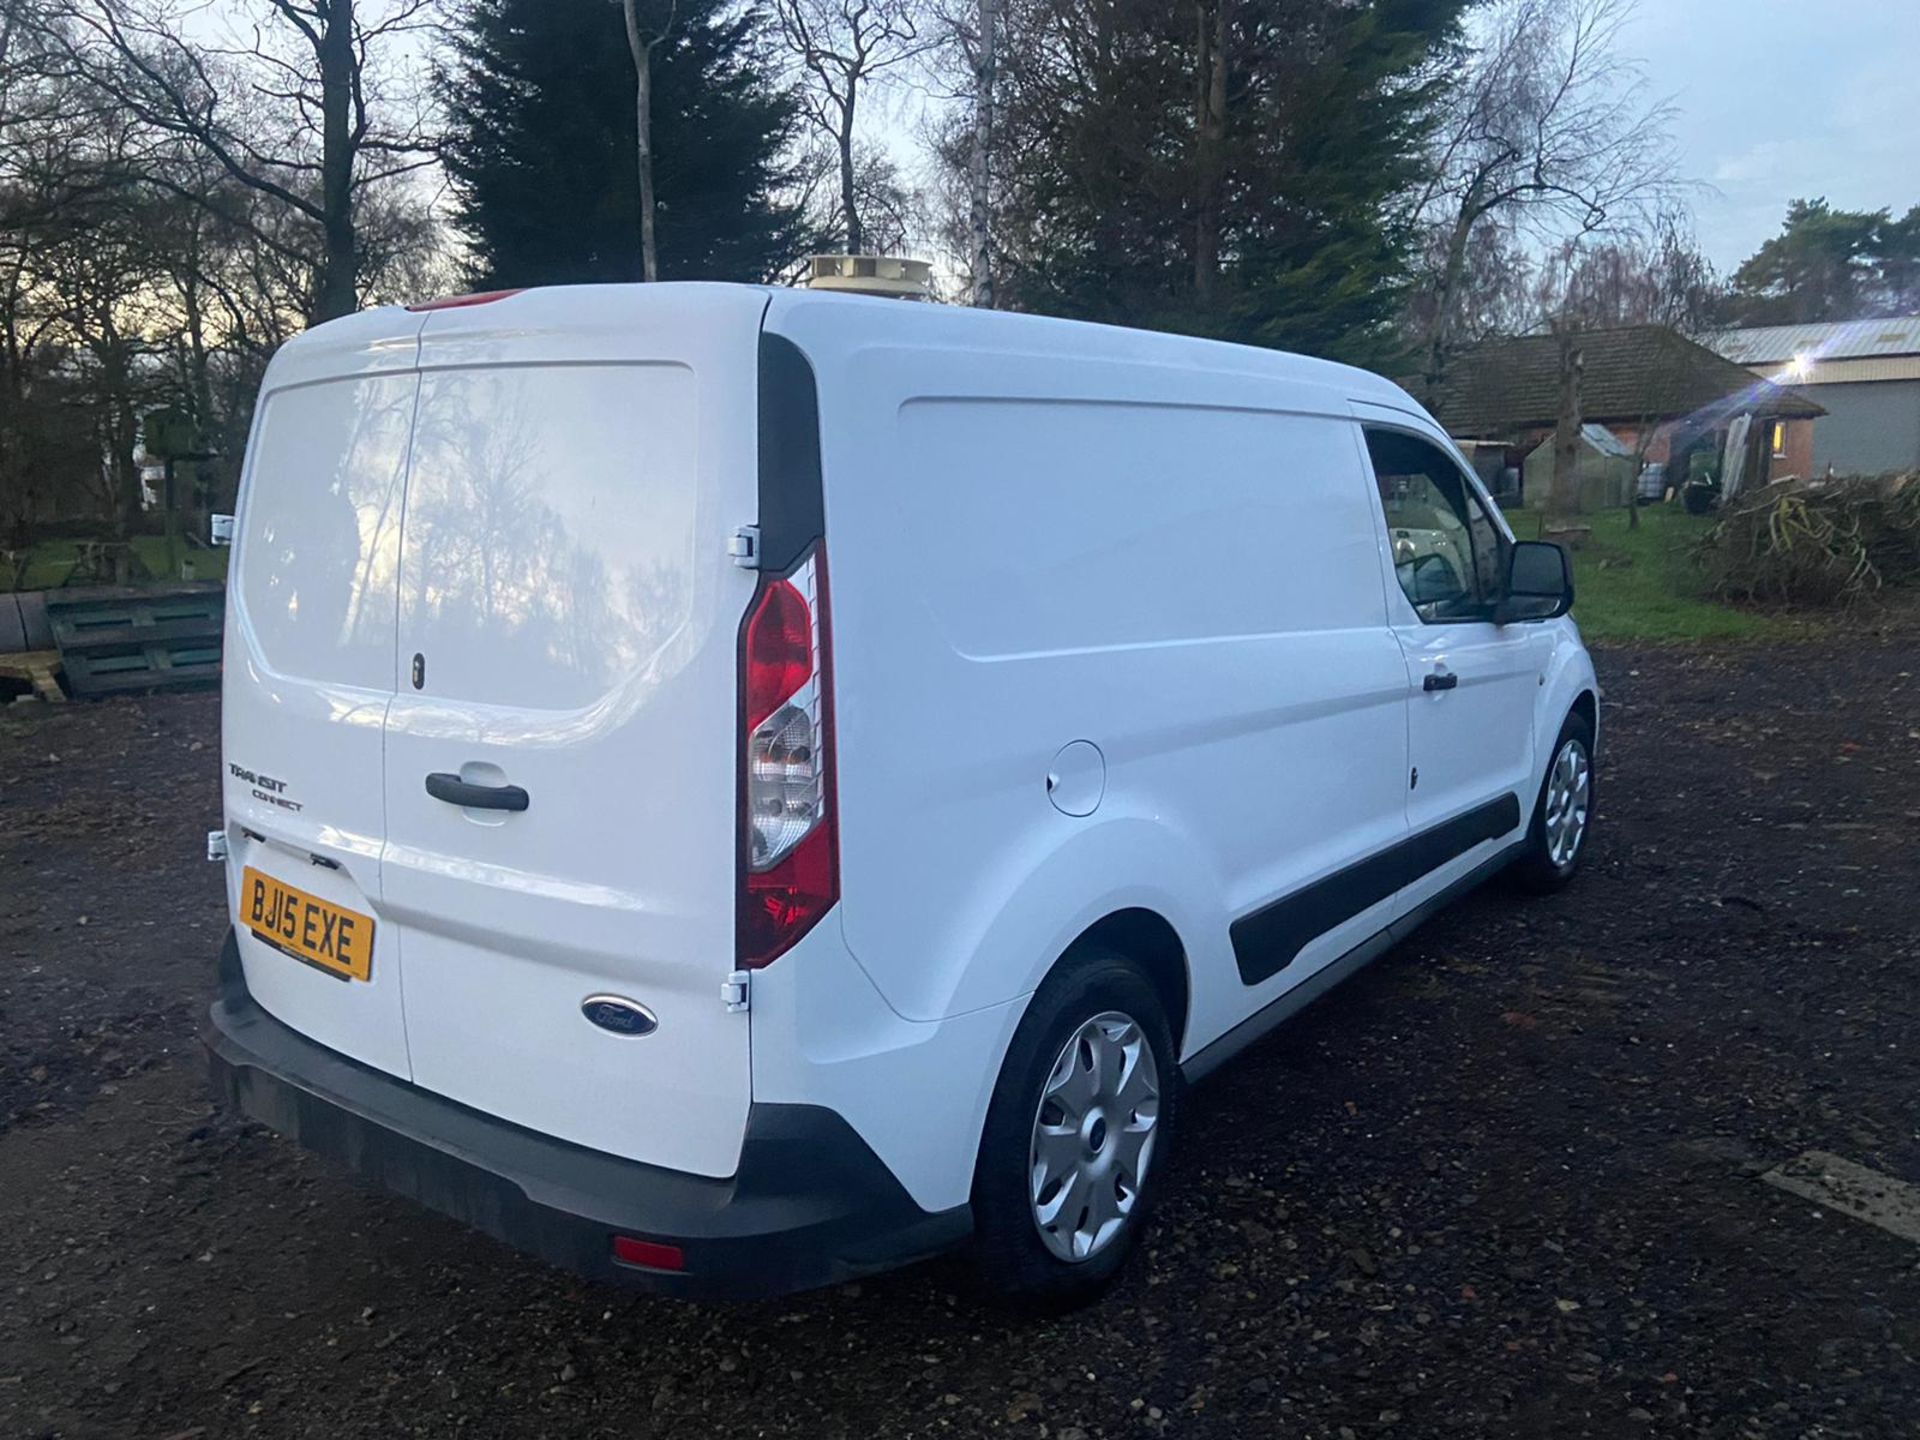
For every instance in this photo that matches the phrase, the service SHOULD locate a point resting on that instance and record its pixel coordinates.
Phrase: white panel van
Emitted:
(734, 789)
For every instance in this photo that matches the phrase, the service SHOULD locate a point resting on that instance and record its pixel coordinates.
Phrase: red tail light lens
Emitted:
(779, 649)
(462, 302)
(648, 1254)
(790, 863)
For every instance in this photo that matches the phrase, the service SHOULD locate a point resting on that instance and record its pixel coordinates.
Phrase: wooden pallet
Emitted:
(40, 669)
(122, 639)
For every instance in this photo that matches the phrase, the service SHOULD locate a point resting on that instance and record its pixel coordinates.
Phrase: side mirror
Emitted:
(1539, 583)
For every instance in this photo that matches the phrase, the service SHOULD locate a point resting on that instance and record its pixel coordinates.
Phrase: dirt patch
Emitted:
(1504, 1184)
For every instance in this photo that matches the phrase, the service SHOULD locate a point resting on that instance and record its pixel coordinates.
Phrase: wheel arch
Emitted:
(1568, 686)
(1147, 937)
(1587, 706)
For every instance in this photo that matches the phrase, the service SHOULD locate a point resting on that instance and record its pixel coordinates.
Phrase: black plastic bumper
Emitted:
(810, 1204)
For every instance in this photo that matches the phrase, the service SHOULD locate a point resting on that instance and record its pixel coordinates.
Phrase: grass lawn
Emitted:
(52, 559)
(1644, 584)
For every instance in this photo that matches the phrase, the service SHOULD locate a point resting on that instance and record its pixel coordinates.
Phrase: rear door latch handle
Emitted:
(1439, 682)
(455, 791)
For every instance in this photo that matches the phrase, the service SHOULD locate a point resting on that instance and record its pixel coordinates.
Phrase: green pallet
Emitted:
(128, 638)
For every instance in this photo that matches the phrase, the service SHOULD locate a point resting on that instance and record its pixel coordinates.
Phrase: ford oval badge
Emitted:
(618, 1014)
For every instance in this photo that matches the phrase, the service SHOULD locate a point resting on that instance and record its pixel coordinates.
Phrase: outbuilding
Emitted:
(1864, 373)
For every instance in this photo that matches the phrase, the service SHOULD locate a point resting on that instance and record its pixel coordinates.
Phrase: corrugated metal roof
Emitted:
(1598, 439)
(1848, 340)
(1605, 441)
(1841, 372)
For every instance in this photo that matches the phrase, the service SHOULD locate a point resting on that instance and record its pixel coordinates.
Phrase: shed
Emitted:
(1604, 471)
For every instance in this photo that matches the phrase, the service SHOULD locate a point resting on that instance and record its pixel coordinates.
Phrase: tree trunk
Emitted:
(1210, 132)
(642, 51)
(979, 177)
(13, 394)
(1446, 296)
(121, 428)
(856, 236)
(200, 385)
(1641, 446)
(1564, 497)
(336, 293)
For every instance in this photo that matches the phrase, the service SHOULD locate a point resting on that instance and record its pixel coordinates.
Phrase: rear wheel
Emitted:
(1077, 1135)
(1563, 815)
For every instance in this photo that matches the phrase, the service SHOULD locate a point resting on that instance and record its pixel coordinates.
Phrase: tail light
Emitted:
(790, 865)
(462, 302)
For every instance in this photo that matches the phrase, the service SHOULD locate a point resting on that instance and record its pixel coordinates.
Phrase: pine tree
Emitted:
(542, 134)
(1233, 168)
(1828, 264)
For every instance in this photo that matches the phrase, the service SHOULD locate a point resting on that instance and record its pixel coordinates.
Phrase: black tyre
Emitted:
(1562, 815)
(1077, 1137)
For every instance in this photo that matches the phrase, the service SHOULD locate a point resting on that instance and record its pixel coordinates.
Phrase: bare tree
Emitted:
(292, 107)
(1664, 282)
(1660, 283)
(985, 57)
(138, 271)
(1551, 133)
(980, 178)
(840, 48)
(642, 40)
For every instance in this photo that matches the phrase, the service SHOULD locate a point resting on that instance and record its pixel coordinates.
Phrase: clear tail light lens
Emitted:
(790, 861)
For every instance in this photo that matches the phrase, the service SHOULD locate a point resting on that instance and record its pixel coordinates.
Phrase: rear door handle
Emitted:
(1439, 682)
(455, 791)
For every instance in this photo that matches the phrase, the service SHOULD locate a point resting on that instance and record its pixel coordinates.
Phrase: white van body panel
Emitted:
(572, 464)
(579, 460)
(1494, 733)
(310, 665)
(823, 1035)
(984, 478)
(1114, 627)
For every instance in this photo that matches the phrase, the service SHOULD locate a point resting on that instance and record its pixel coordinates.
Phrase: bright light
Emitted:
(1800, 367)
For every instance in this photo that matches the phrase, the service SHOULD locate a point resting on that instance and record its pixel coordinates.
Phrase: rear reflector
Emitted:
(461, 302)
(648, 1254)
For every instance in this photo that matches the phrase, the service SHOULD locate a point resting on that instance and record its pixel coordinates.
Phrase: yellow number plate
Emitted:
(306, 927)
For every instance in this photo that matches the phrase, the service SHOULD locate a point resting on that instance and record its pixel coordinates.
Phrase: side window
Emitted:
(1447, 550)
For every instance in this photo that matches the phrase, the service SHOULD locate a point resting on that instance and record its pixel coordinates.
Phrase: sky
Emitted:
(1785, 99)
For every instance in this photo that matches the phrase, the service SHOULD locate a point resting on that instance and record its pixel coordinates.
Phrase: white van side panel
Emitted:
(1175, 564)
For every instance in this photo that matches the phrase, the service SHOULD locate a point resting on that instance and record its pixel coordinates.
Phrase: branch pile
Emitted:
(1820, 542)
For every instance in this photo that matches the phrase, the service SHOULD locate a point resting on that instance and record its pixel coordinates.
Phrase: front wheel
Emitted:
(1563, 815)
(1077, 1135)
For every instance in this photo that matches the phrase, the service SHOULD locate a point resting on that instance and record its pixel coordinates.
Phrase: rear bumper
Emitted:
(810, 1204)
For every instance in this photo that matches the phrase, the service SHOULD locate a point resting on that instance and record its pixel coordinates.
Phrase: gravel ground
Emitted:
(1503, 1184)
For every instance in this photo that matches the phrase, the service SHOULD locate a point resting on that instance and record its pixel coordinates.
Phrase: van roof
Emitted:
(855, 319)
(961, 325)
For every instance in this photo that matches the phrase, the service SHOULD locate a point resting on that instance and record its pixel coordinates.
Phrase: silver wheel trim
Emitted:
(1093, 1136)
(1569, 795)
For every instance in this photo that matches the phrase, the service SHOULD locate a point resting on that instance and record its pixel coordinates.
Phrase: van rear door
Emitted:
(308, 678)
(561, 794)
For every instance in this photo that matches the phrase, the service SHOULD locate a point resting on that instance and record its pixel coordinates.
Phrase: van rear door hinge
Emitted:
(734, 992)
(744, 547)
